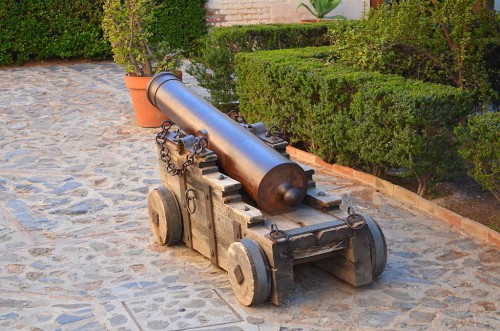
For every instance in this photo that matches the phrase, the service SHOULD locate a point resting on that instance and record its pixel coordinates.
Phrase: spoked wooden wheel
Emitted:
(378, 247)
(164, 216)
(249, 272)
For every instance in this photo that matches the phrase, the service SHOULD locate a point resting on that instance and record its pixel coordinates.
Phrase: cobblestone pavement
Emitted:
(76, 252)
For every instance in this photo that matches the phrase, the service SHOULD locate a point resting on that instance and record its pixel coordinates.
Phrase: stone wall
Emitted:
(231, 12)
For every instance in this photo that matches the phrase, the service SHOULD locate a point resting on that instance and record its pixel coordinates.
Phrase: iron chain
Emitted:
(161, 140)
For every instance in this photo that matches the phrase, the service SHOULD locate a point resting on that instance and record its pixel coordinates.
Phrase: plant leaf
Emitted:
(306, 7)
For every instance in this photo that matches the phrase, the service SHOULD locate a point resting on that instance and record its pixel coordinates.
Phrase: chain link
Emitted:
(161, 139)
(236, 116)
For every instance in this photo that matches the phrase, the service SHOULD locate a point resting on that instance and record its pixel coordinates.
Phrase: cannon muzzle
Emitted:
(275, 183)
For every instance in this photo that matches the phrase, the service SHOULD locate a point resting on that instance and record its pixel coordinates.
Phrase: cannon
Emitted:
(229, 191)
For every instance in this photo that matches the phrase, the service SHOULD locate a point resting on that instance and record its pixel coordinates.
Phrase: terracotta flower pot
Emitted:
(311, 21)
(146, 115)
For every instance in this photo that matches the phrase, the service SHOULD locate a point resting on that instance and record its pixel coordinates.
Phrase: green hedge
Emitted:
(353, 117)
(40, 29)
(45, 29)
(213, 66)
(181, 22)
(480, 146)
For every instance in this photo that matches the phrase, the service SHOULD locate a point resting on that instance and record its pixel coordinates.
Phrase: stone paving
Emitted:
(76, 252)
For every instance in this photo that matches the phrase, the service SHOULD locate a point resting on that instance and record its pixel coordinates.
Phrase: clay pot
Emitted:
(311, 21)
(146, 115)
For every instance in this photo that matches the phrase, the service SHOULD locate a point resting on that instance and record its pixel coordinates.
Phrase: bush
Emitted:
(447, 43)
(480, 147)
(406, 124)
(40, 29)
(213, 66)
(44, 29)
(275, 85)
(180, 23)
(353, 117)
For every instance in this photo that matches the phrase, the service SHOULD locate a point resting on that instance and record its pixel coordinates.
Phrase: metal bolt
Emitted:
(221, 177)
(321, 193)
(245, 208)
(181, 309)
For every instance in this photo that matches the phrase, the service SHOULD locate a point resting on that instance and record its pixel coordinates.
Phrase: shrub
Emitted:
(179, 22)
(214, 66)
(274, 85)
(406, 124)
(44, 29)
(40, 29)
(447, 43)
(350, 116)
(480, 147)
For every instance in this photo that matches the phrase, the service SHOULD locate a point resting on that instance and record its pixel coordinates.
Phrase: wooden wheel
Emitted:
(164, 216)
(249, 272)
(378, 247)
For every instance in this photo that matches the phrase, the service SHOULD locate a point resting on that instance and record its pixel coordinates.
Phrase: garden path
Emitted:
(76, 252)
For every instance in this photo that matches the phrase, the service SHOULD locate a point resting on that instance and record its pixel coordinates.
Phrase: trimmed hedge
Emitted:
(181, 22)
(40, 29)
(480, 147)
(213, 66)
(44, 29)
(353, 117)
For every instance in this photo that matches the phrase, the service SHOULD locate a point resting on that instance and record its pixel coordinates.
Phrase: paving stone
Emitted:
(8, 316)
(255, 320)
(82, 207)
(377, 319)
(422, 316)
(118, 320)
(66, 318)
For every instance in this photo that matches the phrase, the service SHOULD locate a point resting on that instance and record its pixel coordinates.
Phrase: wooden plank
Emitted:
(303, 241)
(315, 228)
(200, 243)
(282, 275)
(353, 264)
(186, 217)
(334, 234)
(305, 215)
(207, 195)
(311, 252)
(240, 212)
(283, 222)
(222, 183)
(319, 199)
(222, 256)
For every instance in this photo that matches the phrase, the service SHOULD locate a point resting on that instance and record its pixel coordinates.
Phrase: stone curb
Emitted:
(403, 195)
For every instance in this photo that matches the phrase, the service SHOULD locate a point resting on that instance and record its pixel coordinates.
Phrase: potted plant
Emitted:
(125, 24)
(320, 8)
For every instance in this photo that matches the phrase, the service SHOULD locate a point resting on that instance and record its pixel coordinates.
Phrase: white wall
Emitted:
(231, 12)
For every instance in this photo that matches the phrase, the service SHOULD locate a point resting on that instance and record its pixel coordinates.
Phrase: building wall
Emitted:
(231, 12)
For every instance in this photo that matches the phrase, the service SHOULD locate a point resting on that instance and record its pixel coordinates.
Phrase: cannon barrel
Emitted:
(275, 183)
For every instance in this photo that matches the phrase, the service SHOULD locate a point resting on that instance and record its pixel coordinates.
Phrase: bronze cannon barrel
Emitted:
(275, 183)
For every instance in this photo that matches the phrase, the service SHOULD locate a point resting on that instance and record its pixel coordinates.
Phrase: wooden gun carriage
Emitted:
(200, 204)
